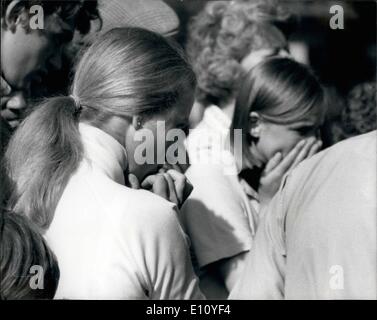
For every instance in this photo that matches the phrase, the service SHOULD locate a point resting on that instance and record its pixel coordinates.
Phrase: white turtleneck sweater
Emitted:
(113, 242)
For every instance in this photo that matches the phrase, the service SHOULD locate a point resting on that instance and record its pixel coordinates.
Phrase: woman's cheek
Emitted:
(290, 144)
(280, 144)
(270, 148)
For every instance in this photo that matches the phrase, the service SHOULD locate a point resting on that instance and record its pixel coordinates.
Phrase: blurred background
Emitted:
(341, 58)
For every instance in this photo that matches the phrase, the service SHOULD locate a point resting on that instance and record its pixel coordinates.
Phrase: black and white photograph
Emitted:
(188, 150)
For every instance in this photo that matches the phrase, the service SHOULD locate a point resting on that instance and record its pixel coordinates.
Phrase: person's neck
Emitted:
(228, 108)
(115, 127)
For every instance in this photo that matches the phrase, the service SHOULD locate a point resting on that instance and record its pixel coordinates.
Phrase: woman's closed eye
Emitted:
(305, 130)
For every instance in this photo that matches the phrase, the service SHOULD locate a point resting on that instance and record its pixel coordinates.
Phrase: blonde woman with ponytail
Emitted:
(71, 159)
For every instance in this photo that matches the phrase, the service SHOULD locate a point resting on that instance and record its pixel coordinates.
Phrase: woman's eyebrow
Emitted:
(302, 126)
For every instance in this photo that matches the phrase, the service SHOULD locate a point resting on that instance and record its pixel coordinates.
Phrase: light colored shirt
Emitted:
(113, 242)
(317, 238)
(219, 217)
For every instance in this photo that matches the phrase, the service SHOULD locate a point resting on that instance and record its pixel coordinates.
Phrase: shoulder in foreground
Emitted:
(361, 142)
(358, 147)
(355, 153)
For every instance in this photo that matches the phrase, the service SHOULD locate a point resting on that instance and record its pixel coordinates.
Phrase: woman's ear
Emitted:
(137, 122)
(12, 15)
(255, 127)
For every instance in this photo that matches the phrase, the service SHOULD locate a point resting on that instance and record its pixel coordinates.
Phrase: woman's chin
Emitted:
(259, 160)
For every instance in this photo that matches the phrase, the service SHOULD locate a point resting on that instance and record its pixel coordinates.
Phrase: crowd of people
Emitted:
(234, 199)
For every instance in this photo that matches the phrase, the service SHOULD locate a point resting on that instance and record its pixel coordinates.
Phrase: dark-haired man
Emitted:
(29, 53)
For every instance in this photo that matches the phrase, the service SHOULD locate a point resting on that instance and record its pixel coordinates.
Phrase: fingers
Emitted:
(177, 167)
(273, 162)
(149, 181)
(171, 185)
(160, 187)
(288, 161)
(5, 91)
(277, 166)
(179, 183)
(183, 186)
(315, 148)
(304, 152)
(3, 102)
(157, 184)
(133, 181)
(173, 197)
(5, 88)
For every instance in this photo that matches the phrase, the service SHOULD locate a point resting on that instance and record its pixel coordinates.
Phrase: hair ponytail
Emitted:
(41, 156)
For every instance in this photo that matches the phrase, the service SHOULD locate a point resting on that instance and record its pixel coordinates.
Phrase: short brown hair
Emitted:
(21, 247)
(65, 9)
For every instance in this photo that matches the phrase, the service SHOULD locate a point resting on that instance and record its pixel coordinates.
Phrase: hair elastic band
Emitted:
(77, 104)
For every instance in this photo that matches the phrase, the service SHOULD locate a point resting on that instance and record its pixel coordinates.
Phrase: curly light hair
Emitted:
(224, 33)
(359, 113)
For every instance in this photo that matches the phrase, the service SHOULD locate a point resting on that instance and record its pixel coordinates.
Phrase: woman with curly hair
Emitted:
(359, 114)
(226, 39)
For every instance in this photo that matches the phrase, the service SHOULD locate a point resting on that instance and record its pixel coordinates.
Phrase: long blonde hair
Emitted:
(127, 71)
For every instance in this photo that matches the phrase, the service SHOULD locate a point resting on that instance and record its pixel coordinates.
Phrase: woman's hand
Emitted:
(277, 167)
(12, 104)
(5, 91)
(171, 185)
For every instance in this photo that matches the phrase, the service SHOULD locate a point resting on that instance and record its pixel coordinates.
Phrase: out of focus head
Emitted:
(228, 38)
(279, 103)
(28, 268)
(28, 53)
(359, 113)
